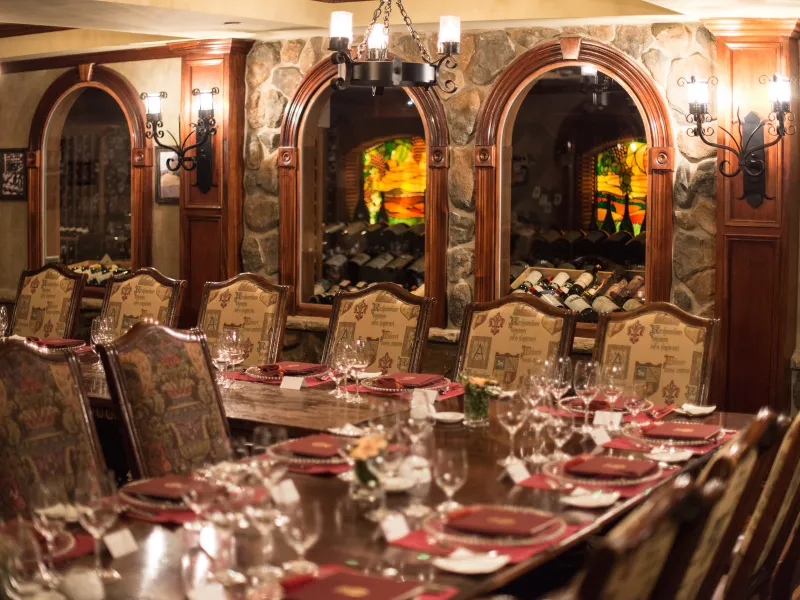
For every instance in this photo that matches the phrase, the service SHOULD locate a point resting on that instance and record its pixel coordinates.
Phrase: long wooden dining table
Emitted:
(154, 571)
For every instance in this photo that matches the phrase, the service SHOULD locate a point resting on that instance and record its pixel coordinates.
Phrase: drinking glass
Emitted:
(385, 467)
(450, 471)
(560, 431)
(301, 527)
(512, 412)
(634, 400)
(97, 504)
(262, 515)
(3, 321)
(585, 382)
(220, 360)
(538, 419)
(611, 384)
(26, 571)
(200, 500)
(102, 333)
(49, 518)
(232, 341)
(360, 362)
(344, 355)
(561, 379)
(419, 471)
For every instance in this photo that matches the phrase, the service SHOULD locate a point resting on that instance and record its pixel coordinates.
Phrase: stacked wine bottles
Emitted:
(590, 292)
(98, 274)
(357, 254)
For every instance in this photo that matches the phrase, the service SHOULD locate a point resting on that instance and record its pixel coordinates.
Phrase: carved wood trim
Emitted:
(85, 71)
(509, 90)
(437, 139)
(570, 47)
(123, 92)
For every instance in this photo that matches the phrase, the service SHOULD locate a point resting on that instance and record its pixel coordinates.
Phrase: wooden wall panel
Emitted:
(206, 259)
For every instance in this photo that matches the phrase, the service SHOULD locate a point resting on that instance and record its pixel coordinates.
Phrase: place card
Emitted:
(600, 436)
(429, 396)
(395, 527)
(607, 418)
(120, 543)
(517, 472)
(292, 383)
(285, 492)
(207, 591)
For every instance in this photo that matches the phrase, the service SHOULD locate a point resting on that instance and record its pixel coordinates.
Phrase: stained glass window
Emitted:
(621, 172)
(395, 176)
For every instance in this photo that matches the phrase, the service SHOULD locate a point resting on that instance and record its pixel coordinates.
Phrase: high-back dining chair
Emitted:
(502, 339)
(668, 349)
(143, 294)
(770, 525)
(251, 305)
(48, 301)
(163, 382)
(393, 322)
(629, 562)
(742, 463)
(46, 430)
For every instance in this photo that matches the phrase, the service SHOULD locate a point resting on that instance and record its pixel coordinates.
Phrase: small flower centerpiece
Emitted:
(365, 489)
(477, 391)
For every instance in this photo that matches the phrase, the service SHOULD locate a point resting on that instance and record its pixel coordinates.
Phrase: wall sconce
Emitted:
(596, 84)
(749, 148)
(204, 130)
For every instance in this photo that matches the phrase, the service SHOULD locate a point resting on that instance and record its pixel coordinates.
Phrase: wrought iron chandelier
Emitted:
(378, 72)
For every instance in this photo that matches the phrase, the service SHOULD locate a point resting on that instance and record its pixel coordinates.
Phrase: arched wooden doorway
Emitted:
(493, 135)
(313, 86)
(64, 90)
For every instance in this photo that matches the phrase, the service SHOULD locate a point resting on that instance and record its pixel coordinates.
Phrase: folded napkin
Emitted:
(169, 487)
(453, 390)
(654, 414)
(491, 521)
(84, 544)
(682, 431)
(292, 369)
(54, 343)
(273, 370)
(388, 383)
(416, 380)
(598, 404)
(317, 446)
(422, 541)
(608, 467)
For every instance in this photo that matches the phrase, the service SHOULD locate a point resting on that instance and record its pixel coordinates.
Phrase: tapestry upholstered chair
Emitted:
(503, 339)
(632, 556)
(770, 525)
(143, 294)
(743, 463)
(254, 307)
(48, 301)
(46, 430)
(163, 383)
(668, 349)
(392, 321)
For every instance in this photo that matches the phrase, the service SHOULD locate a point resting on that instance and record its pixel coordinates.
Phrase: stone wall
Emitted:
(667, 51)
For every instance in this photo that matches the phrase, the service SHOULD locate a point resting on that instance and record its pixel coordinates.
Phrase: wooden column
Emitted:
(756, 246)
(211, 223)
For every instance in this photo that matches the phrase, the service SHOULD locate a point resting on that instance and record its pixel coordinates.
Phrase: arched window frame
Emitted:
(437, 139)
(494, 130)
(123, 92)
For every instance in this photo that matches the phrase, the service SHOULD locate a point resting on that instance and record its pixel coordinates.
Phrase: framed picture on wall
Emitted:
(168, 184)
(13, 175)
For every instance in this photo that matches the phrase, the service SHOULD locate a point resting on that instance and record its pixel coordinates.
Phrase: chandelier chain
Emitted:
(414, 35)
(386, 14)
(362, 46)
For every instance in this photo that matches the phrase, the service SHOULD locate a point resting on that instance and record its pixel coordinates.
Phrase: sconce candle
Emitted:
(152, 103)
(449, 35)
(207, 100)
(780, 93)
(341, 27)
(697, 93)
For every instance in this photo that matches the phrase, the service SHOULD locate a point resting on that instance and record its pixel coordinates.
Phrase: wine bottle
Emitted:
(373, 271)
(334, 268)
(614, 246)
(547, 294)
(609, 226)
(606, 303)
(374, 236)
(361, 285)
(591, 293)
(580, 306)
(350, 237)
(543, 244)
(395, 268)
(393, 237)
(321, 286)
(561, 283)
(632, 303)
(584, 281)
(626, 224)
(629, 291)
(355, 264)
(533, 277)
(590, 244)
(330, 236)
(416, 272)
(566, 266)
(414, 239)
(635, 249)
(517, 268)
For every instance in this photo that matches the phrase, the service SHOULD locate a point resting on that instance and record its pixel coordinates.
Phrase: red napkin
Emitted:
(317, 446)
(609, 467)
(84, 544)
(416, 380)
(298, 369)
(55, 343)
(540, 481)
(453, 390)
(389, 383)
(320, 469)
(497, 522)
(169, 487)
(682, 431)
(419, 540)
(655, 414)
(341, 585)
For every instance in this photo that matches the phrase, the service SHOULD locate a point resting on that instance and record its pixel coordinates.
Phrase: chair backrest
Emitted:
(663, 346)
(633, 554)
(742, 464)
(770, 525)
(163, 382)
(254, 307)
(502, 339)
(392, 321)
(46, 428)
(48, 301)
(145, 293)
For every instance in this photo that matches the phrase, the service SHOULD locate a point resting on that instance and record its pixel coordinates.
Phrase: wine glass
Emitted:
(262, 515)
(538, 419)
(339, 365)
(561, 380)
(512, 412)
(417, 468)
(560, 431)
(634, 400)
(220, 360)
(361, 361)
(25, 569)
(232, 341)
(3, 321)
(301, 527)
(611, 383)
(95, 498)
(102, 332)
(200, 499)
(450, 471)
(585, 382)
(385, 467)
(49, 517)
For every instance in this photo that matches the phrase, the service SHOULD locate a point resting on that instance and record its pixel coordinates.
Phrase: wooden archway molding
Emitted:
(437, 139)
(495, 122)
(119, 88)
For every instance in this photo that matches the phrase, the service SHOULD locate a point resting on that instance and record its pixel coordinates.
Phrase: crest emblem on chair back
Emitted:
(393, 322)
(48, 301)
(163, 381)
(251, 305)
(46, 430)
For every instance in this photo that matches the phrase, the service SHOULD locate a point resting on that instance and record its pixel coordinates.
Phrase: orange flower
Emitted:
(368, 447)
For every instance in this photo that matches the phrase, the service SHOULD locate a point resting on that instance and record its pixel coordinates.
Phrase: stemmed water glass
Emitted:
(3, 322)
(49, 517)
(339, 365)
(560, 431)
(301, 527)
(232, 342)
(102, 332)
(561, 379)
(634, 400)
(450, 471)
(611, 386)
(385, 467)
(585, 383)
(25, 569)
(220, 359)
(538, 419)
(361, 360)
(512, 412)
(98, 507)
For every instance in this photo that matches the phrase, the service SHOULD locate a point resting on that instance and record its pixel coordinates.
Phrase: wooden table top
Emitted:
(154, 571)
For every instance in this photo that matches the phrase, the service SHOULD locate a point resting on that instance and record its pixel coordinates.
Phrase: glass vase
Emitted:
(476, 409)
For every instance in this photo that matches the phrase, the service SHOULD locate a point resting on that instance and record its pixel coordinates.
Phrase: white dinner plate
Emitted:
(670, 456)
(449, 417)
(465, 562)
(590, 499)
